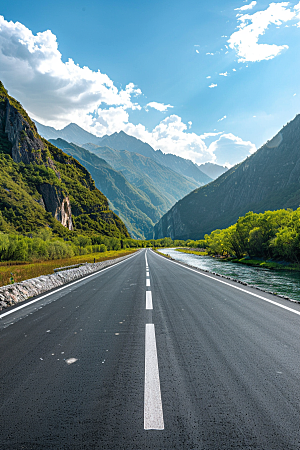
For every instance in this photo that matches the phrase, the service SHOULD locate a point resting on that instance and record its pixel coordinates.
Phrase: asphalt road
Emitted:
(186, 360)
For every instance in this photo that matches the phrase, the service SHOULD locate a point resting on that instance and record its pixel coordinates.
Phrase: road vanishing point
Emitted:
(150, 354)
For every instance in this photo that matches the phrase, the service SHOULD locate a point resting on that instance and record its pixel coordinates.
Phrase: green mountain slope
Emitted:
(42, 186)
(185, 167)
(130, 203)
(122, 141)
(267, 180)
(162, 185)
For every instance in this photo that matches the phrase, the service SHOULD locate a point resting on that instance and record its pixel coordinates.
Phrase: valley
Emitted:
(149, 225)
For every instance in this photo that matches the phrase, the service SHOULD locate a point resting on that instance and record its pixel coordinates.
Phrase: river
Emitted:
(283, 282)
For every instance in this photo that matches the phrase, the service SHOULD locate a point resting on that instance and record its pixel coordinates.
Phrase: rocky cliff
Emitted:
(267, 180)
(36, 178)
(27, 147)
(55, 202)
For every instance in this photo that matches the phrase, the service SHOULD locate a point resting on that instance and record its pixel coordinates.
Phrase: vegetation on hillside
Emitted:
(266, 180)
(270, 235)
(126, 200)
(32, 169)
(161, 186)
(44, 245)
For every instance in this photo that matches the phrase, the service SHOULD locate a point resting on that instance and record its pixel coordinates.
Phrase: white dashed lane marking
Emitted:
(153, 412)
(149, 304)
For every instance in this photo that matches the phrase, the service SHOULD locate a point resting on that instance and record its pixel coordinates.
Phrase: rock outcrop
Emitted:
(26, 146)
(56, 203)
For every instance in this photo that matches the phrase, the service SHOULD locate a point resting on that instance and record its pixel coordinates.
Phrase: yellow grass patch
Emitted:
(25, 270)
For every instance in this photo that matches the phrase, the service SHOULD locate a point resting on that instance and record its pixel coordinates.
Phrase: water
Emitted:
(281, 281)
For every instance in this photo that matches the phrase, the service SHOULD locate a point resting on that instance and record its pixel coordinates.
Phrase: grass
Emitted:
(194, 252)
(25, 270)
(281, 265)
(160, 253)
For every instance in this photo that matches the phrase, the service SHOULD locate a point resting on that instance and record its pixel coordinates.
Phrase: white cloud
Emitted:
(297, 14)
(159, 106)
(224, 117)
(225, 74)
(245, 39)
(107, 121)
(190, 123)
(234, 70)
(197, 51)
(213, 85)
(230, 149)
(208, 77)
(209, 53)
(57, 91)
(171, 136)
(208, 135)
(244, 8)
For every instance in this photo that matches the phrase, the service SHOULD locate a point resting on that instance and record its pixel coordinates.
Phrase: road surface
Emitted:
(149, 354)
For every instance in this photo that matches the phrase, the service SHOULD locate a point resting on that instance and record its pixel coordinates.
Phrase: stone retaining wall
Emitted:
(18, 292)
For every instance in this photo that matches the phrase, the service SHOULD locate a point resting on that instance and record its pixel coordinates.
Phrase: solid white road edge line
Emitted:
(235, 287)
(149, 304)
(153, 412)
(64, 287)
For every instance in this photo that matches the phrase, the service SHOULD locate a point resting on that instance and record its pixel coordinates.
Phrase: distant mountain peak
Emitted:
(123, 141)
(73, 125)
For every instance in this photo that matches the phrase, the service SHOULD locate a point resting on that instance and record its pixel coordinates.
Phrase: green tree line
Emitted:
(45, 245)
(269, 235)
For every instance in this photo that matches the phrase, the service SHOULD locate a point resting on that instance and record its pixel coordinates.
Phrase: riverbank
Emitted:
(200, 252)
(269, 264)
(282, 283)
(254, 262)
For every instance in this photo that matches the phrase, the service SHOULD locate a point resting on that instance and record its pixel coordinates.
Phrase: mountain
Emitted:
(122, 141)
(160, 184)
(185, 167)
(212, 170)
(42, 186)
(127, 201)
(267, 180)
(71, 133)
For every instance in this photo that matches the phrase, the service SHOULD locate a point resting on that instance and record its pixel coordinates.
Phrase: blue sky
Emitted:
(209, 81)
